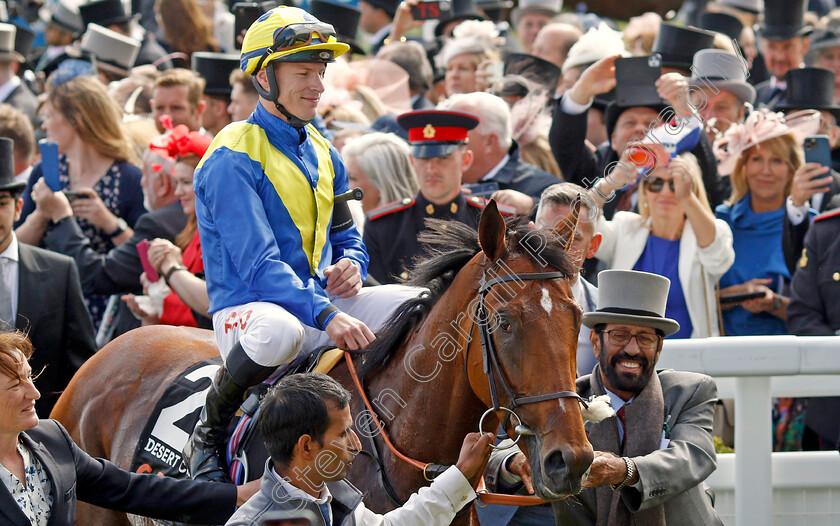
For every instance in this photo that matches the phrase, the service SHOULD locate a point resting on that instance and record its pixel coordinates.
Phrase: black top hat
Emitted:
(722, 23)
(7, 167)
(461, 10)
(344, 18)
(783, 20)
(810, 89)
(23, 41)
(533, 68)
(389, 6)
(104, 13)
(677, 45)
(436, 133)
(215, 68)
(632, 90)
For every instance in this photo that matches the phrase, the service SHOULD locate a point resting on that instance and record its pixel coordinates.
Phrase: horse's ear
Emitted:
(566, 228)
(491, 231)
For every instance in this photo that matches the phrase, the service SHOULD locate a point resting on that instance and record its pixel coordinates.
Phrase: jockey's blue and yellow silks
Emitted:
(265, 233)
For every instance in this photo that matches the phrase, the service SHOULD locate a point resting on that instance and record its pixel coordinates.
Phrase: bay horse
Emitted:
(498, 329)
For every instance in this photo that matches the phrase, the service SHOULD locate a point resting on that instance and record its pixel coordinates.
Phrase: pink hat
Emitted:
(759, 126)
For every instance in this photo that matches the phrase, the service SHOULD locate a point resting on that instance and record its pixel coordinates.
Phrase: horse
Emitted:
(495, 337)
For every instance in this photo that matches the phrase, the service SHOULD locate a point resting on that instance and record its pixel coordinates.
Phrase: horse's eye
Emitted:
(504, 325)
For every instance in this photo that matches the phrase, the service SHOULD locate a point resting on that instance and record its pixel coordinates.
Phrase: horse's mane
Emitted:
(449, 246)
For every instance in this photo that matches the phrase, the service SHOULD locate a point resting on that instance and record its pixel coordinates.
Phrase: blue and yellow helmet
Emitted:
(288, 34)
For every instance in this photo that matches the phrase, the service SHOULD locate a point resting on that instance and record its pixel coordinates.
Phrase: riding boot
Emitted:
(204, 452)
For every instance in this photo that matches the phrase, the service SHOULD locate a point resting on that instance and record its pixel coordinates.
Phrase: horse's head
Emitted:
(530, 324)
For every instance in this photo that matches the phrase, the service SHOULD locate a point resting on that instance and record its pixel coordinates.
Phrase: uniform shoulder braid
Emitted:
(391, 208)
(826, 215)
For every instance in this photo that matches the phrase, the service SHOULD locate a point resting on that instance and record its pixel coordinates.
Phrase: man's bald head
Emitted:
(554, 41)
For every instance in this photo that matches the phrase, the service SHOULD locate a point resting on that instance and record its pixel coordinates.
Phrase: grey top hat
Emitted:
(114, 52)
(7, 43)
(632, 298)
(546, 7)
(66, 16)
(753, 6)
(724, 71)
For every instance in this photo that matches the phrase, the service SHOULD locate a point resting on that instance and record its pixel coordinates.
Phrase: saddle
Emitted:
(176, 413)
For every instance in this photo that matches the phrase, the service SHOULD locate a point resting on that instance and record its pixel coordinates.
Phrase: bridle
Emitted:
(490, 356)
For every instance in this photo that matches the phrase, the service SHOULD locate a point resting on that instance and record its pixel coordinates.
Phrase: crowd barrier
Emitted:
(753, 370)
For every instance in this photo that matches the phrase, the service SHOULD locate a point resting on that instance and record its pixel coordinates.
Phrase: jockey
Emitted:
(280, 275)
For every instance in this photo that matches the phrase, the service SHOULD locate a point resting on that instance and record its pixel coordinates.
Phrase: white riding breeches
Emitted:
(271, 336)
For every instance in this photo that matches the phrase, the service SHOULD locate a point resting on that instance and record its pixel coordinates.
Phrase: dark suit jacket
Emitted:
(580, 165)
(52, 311)
(422, 103)
(793, 237)
(118, 271)
(763, 94)
(523, 177)
(75, 475)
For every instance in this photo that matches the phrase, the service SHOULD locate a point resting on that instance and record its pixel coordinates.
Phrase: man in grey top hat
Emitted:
(719, 89)
(650, 459)
(530, 16)
(12, 90)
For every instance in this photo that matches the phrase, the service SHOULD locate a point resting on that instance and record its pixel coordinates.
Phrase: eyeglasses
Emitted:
(656, 184)
(297, 35)
(645, 340)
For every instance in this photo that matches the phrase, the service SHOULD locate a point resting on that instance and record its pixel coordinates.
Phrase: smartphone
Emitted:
(818, 150)
(72, 196)
(734, 299)
(245, 14)
(289, 518)
(143, 252)
(634, 76)
(431, 9)
(49, 164)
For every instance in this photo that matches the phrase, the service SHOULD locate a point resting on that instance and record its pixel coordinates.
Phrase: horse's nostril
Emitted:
(555, 464)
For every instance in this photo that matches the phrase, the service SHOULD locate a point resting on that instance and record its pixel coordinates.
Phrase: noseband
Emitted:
(490, 355)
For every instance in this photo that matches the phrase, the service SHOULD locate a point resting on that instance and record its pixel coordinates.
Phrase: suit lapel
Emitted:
(29, 280)
(51, 467)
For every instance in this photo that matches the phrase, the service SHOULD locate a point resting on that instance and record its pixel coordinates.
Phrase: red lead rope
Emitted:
(483, 495)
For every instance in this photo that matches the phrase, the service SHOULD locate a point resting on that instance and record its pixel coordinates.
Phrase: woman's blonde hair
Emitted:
(85, 104)
(697, 187)
(785, 146)
(538, 153)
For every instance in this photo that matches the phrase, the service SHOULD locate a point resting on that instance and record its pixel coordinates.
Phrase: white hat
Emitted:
(7, 43)
(114, 52)
(595, 44)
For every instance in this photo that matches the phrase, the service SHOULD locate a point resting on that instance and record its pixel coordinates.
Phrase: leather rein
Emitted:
(492, 369)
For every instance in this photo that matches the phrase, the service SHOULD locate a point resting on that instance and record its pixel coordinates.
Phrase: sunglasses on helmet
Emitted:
(297, 35)
(656, 184)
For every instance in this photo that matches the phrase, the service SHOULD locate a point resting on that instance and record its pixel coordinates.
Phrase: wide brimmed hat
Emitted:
(724, 71)
(535, 69)
(344, 18)
(105, 13)
(677, 45)
(7, 167)
(215, 68)
(809, 89)
(759, 126)
(722, 23)
(546, 7)
(783, 20)
(461, 10)
(632, 298)
(597, 43)
(7, 44)
(114, 52)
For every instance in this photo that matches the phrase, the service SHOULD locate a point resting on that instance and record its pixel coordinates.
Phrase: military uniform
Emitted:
(391, 231)
(814, 309)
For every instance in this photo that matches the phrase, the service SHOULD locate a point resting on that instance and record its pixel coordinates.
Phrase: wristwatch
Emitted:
(777, 302)
(122, 226)
(172, 270)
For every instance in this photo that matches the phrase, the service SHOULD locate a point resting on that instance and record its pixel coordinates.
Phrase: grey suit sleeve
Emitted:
(116, 272)
(687, 461)
(493, 471)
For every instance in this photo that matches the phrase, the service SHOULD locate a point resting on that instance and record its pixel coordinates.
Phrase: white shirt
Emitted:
(798, 214)
(9, 259)
(7, 88)
(492, 173)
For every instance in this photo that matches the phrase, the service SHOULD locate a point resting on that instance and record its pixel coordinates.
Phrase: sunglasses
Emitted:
(297, 35)
(656, 184)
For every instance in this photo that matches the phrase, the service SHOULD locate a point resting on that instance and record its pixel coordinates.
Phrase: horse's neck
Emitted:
(425, 387)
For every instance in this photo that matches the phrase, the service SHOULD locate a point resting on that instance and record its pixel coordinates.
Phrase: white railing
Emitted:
(753, 369)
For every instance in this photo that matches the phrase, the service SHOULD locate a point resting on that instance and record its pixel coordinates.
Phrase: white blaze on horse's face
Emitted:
(545, 301)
